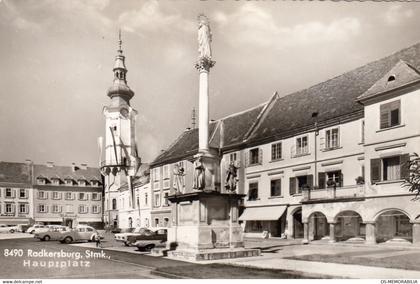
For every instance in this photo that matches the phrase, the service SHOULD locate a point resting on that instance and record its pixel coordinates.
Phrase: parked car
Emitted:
(7, 229)
(36, 228)
(148, 242)
(123, 237)
(53, 233)
(80, 233)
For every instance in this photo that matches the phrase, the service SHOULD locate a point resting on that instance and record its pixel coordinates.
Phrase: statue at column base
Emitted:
(206, 175)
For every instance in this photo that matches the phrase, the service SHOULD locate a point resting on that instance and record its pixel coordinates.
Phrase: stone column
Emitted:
(370, 233)
(305, 233)
(332, 233)
(416, 232)
(203, 65)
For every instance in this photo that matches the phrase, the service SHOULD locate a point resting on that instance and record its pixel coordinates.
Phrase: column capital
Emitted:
(204, 64)
(369, 222)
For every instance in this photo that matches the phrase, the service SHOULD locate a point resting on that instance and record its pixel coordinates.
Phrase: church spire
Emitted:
(120, 87)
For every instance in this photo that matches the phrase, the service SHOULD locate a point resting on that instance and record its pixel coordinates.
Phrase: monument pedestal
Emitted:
(205, 226)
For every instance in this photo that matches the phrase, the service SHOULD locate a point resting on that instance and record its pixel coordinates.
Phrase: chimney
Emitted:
(74, 167)
(28, 161)
(83, 166)
(50, 164)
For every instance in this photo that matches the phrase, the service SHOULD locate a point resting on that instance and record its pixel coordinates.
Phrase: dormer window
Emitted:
(41, 180)
(82, 182)
(56, 181)
(69, 182)
(391, 78)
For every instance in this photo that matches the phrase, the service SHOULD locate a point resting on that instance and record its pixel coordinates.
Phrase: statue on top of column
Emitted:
(204, 38)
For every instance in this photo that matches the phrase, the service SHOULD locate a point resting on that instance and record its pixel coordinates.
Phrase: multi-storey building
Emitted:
(68, 195)
(50, 194)
(16, 193)
(326, 162)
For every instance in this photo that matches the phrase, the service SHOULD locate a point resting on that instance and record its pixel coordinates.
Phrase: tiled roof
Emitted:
(331, 99)
(234, 129)
(185, 145)
(15, 172)
(401, 74)
(284, 116)
(65, 172)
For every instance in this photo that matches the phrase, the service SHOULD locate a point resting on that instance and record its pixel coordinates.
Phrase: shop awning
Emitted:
(267, 213)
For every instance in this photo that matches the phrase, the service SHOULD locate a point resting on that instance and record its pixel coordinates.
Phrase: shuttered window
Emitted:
(389, 168)
(390, 114)
(276, 151)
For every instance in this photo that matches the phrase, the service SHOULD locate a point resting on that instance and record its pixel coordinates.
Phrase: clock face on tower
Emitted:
(124, 112)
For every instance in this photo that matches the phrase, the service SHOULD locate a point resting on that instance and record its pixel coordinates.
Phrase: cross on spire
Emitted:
(119, 42)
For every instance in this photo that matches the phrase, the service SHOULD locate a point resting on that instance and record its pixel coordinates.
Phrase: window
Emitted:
(95, 209)
(166, 171)
(156, 174)
(165, 222)
(276, 151)
(114, 204)
(334, 179)
(302, 145)
(157, 200)
(56, 181)
(42, 195)
(82, 196)
(299, 183)
(22, 208)
(253, 191)
(232, 157)
(156, 222)
(9, 208)
(330, 179)
(22, 193)
(165, 199)
(254, 156)
(275, 187)
(40, 180)
(145, 198)
(331, 137)
(68, 196)
(56, 208)
(82, 209)
(82, 182)
(391, 168)
(390, 114)
(69, 182)
(9, 192)
(56, 195)
(95, 196)
(42, 208)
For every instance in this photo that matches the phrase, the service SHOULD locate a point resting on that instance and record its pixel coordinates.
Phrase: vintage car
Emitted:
(80, 233)
(36, 228)
(7, 229)
(122, 237)
(53, 233)
(147, 242)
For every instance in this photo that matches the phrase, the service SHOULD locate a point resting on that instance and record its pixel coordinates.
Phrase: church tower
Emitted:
(120, 161)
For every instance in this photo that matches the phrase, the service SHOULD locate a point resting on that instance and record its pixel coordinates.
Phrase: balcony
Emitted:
(350, 193)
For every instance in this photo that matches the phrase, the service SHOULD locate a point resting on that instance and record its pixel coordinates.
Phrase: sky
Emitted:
(57, 57)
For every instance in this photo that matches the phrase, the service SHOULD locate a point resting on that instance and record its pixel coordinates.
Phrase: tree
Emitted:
(413, 180)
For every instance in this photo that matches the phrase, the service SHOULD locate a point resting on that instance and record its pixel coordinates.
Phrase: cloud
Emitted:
(253, 25)
(395, 15)
(151, 18)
